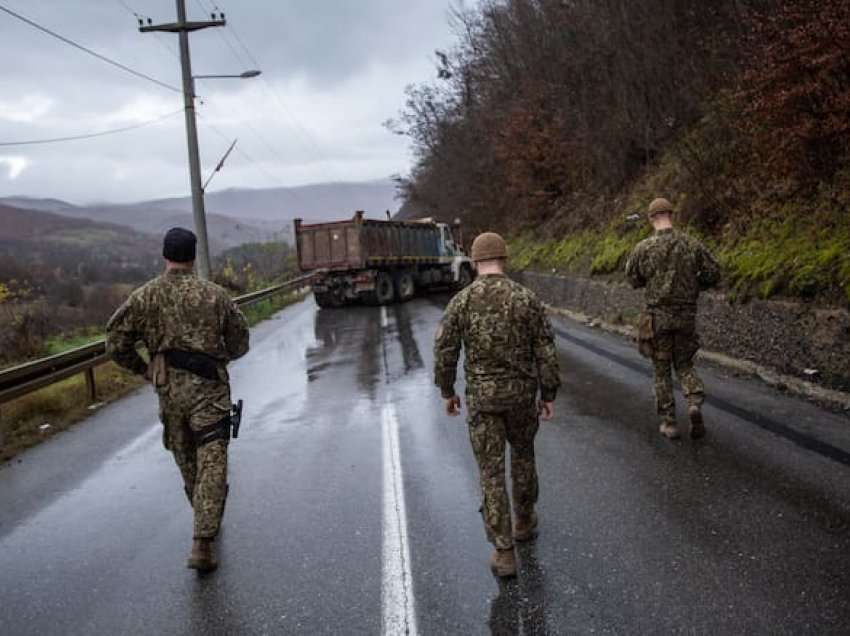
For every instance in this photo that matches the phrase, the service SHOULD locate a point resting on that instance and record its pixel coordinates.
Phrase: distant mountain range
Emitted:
(33, 237)
(234, 216)
(318, 202)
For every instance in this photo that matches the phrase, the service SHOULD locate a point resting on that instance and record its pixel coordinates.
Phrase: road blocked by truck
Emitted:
(379, 262)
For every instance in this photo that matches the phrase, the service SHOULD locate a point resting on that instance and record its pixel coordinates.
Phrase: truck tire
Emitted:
(384, 292)
(327, 300)
(405, 287)
(384, 289)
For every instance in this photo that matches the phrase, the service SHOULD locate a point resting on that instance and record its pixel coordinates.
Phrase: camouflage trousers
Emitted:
(188, 403)
(676, 343)
(490, 433)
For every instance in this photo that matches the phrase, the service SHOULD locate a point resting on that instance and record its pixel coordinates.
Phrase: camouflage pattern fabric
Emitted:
(676, 343)
(508, 343)
(180, 311)
(188, 403)
(510, 354)
(674, 268)
(489, 432)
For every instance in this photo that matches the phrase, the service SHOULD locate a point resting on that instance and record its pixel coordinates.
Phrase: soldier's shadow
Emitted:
(519, 607)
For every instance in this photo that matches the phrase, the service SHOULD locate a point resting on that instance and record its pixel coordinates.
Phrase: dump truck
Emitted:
(379, 262)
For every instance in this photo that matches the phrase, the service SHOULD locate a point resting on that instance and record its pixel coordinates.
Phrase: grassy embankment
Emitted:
(35, 417)
(780, 244)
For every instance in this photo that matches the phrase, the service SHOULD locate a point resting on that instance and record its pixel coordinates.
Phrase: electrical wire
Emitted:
(103, 133)
(224, 39)
(306, 138)
(157, 36)
(263, 139)
(103, 58)
(240, 151)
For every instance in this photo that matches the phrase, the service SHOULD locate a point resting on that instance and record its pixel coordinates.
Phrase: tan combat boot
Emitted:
(503, 563)
(669, 430)
(697, 425)
(525, 528)
(202, 557)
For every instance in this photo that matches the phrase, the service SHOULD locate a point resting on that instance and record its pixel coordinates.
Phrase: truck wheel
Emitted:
(384, 289)
(328, 300)
(405, 287)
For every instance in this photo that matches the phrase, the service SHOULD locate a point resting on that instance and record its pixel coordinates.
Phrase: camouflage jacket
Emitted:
(674, 268)
(177, 310)
(508, 344)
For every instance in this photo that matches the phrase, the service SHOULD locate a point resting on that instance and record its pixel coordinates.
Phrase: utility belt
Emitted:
(199, 364)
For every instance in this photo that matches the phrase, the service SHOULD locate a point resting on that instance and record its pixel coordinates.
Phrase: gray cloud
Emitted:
(333, 71)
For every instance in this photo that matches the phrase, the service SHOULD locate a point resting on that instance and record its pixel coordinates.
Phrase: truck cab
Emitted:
(448, 246)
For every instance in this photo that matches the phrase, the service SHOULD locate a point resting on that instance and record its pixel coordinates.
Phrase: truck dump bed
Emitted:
(360, 244)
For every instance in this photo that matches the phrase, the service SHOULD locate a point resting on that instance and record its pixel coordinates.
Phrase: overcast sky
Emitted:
(333, 72)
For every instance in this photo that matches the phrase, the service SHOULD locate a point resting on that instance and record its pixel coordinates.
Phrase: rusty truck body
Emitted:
(379, 262)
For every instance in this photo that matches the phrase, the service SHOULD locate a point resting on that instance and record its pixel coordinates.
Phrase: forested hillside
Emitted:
(556, 120)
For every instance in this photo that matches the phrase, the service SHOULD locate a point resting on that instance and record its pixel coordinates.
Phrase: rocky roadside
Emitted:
(792, 346)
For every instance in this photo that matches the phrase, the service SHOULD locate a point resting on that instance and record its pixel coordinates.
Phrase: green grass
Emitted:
(586, 252)
(61, 344)
(802, 257)
(33, 418)
(796, 258)
(265, 309)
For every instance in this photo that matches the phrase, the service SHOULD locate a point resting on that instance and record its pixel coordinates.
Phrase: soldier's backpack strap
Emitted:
(213, 432)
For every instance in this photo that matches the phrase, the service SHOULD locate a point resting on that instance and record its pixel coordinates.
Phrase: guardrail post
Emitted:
(91, 387)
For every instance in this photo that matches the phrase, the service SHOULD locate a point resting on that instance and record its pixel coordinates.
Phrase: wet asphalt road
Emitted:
(747, 531)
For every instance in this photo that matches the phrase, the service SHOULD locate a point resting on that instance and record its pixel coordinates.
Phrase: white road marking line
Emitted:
(399, 612)
(385, 319)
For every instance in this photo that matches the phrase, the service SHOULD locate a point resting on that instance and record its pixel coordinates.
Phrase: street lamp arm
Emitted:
(244, 75)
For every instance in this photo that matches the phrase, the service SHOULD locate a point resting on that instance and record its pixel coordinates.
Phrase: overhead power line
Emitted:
(103, 133)
(308, 140)
(158, 36)
(76, 45)
(274, 178)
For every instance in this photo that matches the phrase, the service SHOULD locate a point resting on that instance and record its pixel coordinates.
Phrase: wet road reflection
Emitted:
(409, 348)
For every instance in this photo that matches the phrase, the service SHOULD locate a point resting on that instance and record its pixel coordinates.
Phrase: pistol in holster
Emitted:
(646, 335)
(225, 428)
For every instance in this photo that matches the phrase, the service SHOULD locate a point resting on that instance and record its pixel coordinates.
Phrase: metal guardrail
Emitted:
(31, 376)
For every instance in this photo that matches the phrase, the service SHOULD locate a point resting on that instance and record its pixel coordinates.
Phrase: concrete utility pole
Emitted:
(182, 28)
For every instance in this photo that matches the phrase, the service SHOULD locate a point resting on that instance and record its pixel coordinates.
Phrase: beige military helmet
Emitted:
(488, 247)
(660, 206)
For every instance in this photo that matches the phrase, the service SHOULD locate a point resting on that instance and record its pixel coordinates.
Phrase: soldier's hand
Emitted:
(453, 406)
(546, 410)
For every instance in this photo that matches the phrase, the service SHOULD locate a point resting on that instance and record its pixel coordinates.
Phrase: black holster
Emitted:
(211, 433)
(198, 363)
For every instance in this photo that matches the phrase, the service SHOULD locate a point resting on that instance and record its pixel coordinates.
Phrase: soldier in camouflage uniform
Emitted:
(510, 354)
(191, 329)
(674, 268)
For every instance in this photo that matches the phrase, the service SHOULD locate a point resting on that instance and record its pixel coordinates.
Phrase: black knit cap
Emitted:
(179, 245)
